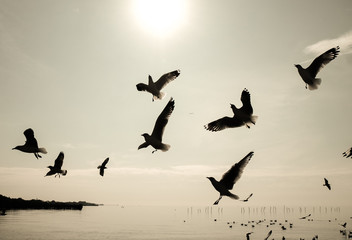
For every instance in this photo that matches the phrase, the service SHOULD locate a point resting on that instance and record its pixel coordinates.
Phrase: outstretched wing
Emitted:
(30, 139)
(59, 161)
(235, 172)
(163, 120)
(166, 78)
(105, 162)
(222, 123)
(246, 101)
(322, 60)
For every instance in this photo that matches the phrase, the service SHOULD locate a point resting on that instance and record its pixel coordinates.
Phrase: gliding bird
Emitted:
(326, 183)
(102, 167)
(230, 178)
(31, 144)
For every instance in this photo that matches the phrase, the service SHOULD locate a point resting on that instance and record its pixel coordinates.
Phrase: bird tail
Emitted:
(160, 96)
(42, 150)
(315, 84)
(64, 172)
(165, 147)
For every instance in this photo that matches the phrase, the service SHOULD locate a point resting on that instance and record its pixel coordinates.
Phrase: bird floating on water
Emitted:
(56, 169)
(31, 144)
(308, 74)
(242, 116)
(327, 184)
(155, 87)
(348, 153)
(246, 200)
(155, 139)
(230, 178)
(102, 167)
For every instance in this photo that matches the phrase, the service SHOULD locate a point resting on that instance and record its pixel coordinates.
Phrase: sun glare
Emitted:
(160, 17)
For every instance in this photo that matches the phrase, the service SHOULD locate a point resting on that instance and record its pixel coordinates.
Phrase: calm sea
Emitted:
(131, 222)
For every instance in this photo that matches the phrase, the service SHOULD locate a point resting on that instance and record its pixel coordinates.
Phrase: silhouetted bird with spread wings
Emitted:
(308, 74)
(155, 87)
(230, 178)
(348, 153)
(246, 200)
(102, 167)
(56, 169)
(326, 183)
(31, 144)
(242, 116)
(343, 225)
(155, 140)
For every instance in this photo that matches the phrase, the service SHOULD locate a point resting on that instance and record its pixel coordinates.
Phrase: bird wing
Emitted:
(246, 101)
(166, 78)
(105, 162)
(163, 119)
(326, 181)
(269, 233)
(30, 139)
(235, 172)
(223, 123)
(59, 161)
(320, 62)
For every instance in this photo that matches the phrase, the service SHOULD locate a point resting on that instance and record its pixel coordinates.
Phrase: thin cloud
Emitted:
(344, 41)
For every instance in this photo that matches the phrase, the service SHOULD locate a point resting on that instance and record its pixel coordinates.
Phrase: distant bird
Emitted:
(230, 178)
(308, 75)
(246, 200)
(247, 235)
(305, 216)
(343, 225)
(348, 153)
(155, 140)
(326, 183)
(31, 144)
(103, 166)
(269, 233)
(155, 87)
(242, 116)
(56, 169)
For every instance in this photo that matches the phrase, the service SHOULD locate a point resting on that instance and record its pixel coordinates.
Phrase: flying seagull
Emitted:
(348, 153)
(269, 233)
(230, 178)
(308, 74)
(246, 200)
(103, 166)
(242, 116)
(155, 87)
(343, 225)
(31, 145)
(155, 140)
(326, 183)
(56, 169)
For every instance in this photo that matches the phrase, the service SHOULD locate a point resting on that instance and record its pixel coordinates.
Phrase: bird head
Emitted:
(145, 135)
(298, 66)
(17, 147)
(211, 178)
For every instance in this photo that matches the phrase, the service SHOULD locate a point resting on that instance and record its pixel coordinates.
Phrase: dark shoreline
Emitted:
(21, 204)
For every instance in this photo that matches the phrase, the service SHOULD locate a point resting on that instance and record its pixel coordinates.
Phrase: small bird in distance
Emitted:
(102, 167)
(327, 184)
(348, 153)
(31, 144)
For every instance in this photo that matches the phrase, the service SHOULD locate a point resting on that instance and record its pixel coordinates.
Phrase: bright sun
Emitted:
(160, 17)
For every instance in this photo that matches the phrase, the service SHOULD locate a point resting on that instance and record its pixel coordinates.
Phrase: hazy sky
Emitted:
(69, 71)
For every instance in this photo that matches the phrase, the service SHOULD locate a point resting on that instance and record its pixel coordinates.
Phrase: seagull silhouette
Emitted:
(348, 153)
(56, 169)
(155, 87)
(31, 144)
(343, 225)
(242, 116)
(230, 178)
(326, 183)
(102, 167)
(308, 74)
(269, 233)
(155, 140)
(246, 200)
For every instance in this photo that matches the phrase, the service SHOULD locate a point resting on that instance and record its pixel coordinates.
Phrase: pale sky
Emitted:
(69, 71)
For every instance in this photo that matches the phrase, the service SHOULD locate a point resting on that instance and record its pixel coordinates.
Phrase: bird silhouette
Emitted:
(242, 116)
(102, 167)
(269, 234)
(326, 183)
(31, 144)
(305, 216)
(230, 178)
(308, 74)
(246, 200)
(155, 139)
(155, 87)
(348, 153)
(343, 225)
(56, 169)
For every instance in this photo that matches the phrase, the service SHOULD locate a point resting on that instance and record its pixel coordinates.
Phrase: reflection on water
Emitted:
(216, 222)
